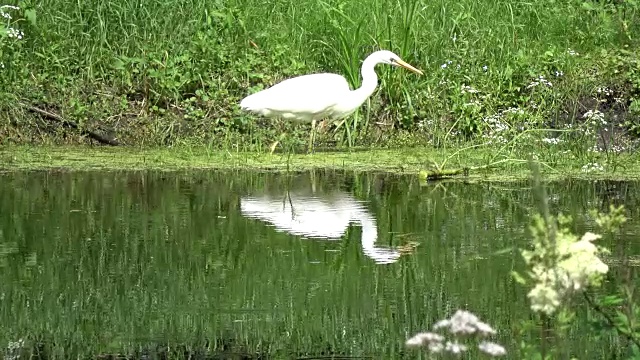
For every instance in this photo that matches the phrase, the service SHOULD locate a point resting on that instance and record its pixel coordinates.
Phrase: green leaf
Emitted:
(30, 15)
(611, 300)
(118, 64)
(518, 278)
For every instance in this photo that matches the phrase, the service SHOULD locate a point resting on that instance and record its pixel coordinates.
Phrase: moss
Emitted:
(482, 163)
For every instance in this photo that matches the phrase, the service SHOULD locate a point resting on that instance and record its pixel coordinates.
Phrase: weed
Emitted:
(167, 74)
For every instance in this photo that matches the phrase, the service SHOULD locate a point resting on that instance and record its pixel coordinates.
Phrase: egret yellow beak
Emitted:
(408, 67)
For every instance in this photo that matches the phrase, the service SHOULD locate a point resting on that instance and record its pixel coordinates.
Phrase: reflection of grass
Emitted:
(484, 162)
(128, 261)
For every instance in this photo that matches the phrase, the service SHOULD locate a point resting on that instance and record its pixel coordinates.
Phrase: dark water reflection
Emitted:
(305, 264)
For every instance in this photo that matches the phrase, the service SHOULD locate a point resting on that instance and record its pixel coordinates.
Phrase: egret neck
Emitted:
(368, 86)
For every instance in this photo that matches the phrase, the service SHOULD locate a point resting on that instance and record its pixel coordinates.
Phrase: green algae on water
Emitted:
(483, 163)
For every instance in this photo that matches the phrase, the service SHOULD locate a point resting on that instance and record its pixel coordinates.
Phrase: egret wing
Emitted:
(303, 97)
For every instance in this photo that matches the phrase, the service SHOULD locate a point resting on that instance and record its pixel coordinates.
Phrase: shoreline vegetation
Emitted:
(544, 76)
(473, 164)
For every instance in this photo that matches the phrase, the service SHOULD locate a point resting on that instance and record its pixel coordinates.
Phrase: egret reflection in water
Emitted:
(319, 216)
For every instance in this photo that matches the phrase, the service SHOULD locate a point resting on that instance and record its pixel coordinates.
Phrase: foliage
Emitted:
(168, 73)
(464, 330)
(561, 267)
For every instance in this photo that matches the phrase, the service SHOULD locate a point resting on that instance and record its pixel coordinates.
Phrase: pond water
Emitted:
(289, 265)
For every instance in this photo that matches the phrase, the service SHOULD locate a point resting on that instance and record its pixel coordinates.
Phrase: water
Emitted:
(105, 263)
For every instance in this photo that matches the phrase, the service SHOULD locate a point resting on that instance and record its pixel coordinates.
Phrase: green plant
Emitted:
(169, 73)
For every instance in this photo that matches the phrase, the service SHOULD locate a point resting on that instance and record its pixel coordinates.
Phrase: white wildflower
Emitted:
(424, 338)
(484, 328)
(540, 80)
(461, 325)
(544, 298)
(513, 110)
(572, 52)
(584, 266)
(464, 322)
(595, 116)
(592, 167)
(455, 347)
(495, 122)
(13, 350)
(576, 265)
(492, 349)
(468, 89)
(617, 148)
(559, 73)
(442, 324)
(446, 64)
(5, 14)
(15, 33)
(553, 141)
(436, 347)
(485, 68)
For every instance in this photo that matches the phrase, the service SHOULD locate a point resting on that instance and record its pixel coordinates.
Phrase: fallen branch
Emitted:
(441, 174)
(68, 123)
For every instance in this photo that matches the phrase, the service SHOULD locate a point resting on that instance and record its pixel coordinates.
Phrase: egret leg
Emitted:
(275, 143)
(273, 146)
(312, 135)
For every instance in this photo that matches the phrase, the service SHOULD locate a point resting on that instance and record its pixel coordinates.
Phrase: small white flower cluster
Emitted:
(572, 52)
(498, 126)
(10, 31)
(468, 89)
(553, 141)
(13, 349)
(559, 73)
(591, 167)
(562, 267)
(4, 13)
(15, 33)
(474, 102)
(513, 110)
(540, 80)
(616, 148)
(596, 117)
(462, 324)
(447, 63)
(604, 91)
(496, 123)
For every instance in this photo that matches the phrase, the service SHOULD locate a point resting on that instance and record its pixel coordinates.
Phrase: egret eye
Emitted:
(392, 60)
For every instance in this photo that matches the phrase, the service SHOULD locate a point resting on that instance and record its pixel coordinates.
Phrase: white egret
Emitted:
(313, 97)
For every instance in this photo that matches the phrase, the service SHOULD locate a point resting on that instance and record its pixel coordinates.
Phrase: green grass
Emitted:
(158, 73)
(484, 163)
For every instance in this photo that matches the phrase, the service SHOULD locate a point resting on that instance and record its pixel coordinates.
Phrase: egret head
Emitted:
(388, 57)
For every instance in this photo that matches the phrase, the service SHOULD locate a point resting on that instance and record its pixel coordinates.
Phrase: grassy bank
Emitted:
(480, 163)
(158, 73)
